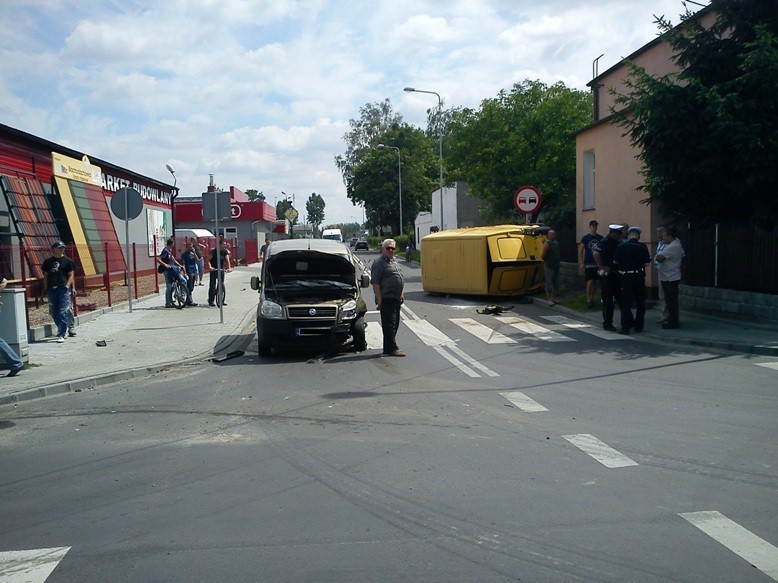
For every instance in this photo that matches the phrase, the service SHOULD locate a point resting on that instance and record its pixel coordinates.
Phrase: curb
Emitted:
(246, 323)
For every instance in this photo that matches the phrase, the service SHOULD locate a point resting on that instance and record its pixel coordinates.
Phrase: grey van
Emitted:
(310, 297)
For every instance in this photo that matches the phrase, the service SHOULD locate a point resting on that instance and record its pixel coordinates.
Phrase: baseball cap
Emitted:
(57, 244)
(593, 223)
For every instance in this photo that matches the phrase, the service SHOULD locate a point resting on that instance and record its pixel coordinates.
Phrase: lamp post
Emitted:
(399, 183)
(440, 142)
(173, 197)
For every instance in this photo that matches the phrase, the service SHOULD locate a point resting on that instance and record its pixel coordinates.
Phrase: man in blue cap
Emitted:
(630, 260)
(59, 271)
(610, 287)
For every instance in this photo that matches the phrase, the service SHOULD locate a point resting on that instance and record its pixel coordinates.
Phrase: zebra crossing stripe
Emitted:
(587, 328)
(538, 331)
(603, 453)
(471, 361)
(482, 332)
(523, 402)
(33, 566)
(772, 365)
(737, 539)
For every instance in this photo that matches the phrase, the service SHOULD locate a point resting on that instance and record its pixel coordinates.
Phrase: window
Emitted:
(588, 180)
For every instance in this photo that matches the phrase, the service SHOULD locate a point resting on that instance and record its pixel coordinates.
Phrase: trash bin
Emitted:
(13, 321)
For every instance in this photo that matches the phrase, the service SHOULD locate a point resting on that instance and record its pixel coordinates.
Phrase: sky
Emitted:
(259, 93)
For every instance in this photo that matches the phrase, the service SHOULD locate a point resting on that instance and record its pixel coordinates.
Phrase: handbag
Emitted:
(161, 268)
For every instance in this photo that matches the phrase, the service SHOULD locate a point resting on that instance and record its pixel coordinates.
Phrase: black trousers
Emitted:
(212, 286)
(610, 291)
(671, 300)
(390, 322)
(633, 288)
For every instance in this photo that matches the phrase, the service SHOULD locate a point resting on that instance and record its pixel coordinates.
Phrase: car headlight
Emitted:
(349, 310)
(270, 309)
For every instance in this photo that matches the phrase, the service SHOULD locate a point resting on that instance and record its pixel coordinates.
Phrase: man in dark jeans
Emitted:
(669, 261)
(388, 283)
(218, 280)
(58, 273)
(610, 285)
(630, 260)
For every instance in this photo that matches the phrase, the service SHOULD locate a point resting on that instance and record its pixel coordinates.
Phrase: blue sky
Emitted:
(260, 92)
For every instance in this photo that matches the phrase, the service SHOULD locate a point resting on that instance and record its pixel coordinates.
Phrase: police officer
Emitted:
(630, 260)
(610, 288)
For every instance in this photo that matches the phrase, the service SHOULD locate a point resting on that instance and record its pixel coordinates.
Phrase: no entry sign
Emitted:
(527, 199)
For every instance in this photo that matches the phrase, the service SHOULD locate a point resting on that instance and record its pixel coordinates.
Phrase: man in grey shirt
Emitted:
(388, 283)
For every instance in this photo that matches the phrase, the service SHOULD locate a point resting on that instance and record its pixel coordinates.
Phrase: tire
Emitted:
(358, 334)
(179, 296)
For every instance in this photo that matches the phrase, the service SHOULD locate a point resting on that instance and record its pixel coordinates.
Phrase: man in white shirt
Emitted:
(669, 262)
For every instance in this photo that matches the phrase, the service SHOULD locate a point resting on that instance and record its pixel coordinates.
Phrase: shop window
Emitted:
(588, 179)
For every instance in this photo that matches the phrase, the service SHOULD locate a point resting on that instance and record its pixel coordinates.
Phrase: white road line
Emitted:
(587, 328)
(457, 363)
(600, 451)
(428, 334)
(524, 402)
(471, 361)
(482, 332)
(737, 539)
(374, 335)
(538, 331)
(772, 365)
(33, 566)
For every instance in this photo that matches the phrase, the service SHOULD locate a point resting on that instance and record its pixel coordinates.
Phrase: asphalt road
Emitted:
(524, 449)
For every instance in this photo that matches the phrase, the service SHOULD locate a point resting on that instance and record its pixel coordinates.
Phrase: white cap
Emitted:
(615, 227)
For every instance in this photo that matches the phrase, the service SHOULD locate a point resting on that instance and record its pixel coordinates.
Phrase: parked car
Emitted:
(310, 297)
(361, 244)
(353, 241)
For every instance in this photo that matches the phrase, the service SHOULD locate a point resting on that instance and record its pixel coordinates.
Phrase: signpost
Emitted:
(127, 204)
(527, 200)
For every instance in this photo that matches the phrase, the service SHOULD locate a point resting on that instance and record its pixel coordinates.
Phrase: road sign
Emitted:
(527, 200)
(291, 214)
(127, 204)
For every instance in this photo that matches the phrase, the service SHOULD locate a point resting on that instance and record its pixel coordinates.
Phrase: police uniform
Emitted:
(609, 281)
(630, 261)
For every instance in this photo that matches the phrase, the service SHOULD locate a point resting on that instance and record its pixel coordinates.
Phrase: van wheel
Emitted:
(358, 334)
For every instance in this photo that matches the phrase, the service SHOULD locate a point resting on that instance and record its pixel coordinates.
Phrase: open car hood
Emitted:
(301, 265)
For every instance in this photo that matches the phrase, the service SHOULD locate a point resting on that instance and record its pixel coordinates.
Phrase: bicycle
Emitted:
(180, 294)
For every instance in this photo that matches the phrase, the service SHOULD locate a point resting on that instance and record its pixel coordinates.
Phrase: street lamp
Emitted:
(173, 197)
(399, 182)
(440, 142)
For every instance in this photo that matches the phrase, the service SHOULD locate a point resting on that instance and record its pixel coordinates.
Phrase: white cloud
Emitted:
(259, 92)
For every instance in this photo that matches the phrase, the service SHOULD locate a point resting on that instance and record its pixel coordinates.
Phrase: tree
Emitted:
(255, 195)
(314, 206)
(523, 136)
(708, 134)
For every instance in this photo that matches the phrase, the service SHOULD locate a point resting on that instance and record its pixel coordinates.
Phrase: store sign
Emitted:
(78, 170)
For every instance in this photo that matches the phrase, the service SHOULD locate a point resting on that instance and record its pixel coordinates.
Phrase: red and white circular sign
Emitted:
(527, 199)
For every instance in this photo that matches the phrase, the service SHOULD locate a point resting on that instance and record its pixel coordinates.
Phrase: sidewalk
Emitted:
(153, 338)
(698, 329)
(149, 339)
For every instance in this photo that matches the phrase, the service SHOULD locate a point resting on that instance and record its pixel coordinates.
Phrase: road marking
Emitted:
(523, 402)
(587, 328)
(482, 332)
(456, 362)
(538, 331)
(772, 365)
(32, 566)
(374, 335)
(471, 361)
(737, 539)
(600, 451)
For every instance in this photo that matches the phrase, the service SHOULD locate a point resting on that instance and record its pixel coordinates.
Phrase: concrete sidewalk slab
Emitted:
(146, 340)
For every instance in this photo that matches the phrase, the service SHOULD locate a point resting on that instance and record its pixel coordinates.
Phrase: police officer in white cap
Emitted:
(630, 260)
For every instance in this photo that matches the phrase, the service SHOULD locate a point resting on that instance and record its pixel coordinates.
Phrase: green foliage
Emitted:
(523, 136)
(708, 135)
(255, 195)
(314, 207)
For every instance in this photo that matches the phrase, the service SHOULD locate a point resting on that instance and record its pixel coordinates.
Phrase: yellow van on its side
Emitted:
(503, 260)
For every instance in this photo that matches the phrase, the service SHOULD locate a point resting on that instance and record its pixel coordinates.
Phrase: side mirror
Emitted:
(364, 280)
(255, 281)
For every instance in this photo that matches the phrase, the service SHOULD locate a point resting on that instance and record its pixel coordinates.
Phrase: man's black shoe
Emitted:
(211, 305)
(71, 332)
(671, 325)
(191, 304)
(609, 327)
(13, 373)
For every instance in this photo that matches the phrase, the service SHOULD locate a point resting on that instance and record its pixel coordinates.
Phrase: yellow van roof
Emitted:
(479, 232)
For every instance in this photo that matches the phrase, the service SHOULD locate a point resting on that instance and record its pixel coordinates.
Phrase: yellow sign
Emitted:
(79, 170)
(291, 214)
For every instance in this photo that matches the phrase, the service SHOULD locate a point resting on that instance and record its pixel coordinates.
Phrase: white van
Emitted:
(333, 234)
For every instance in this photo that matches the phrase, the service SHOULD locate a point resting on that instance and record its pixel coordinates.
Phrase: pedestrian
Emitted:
(630, 260)
(388, 284)
(59, 272)
(669, 261)
(189, 260)
(217, 274)
(610, 287)
(551, 256)
(408, 250)
(661, 304)
(12, 361)
(198, 249)
(263, 249)
(587, 266)
(173, 271)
